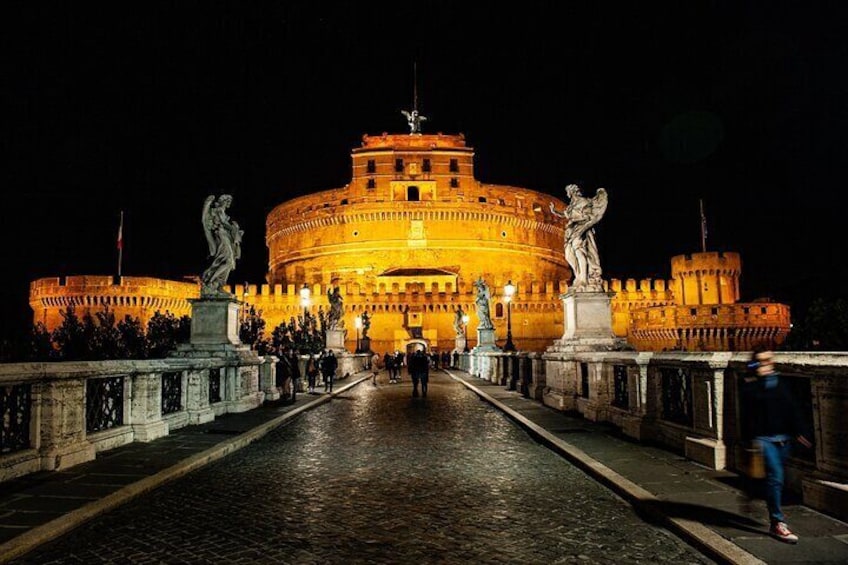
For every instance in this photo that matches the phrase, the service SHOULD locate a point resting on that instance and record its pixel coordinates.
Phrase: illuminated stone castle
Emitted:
(405, 239)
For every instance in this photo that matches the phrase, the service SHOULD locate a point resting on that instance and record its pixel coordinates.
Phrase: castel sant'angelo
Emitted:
(405, 239)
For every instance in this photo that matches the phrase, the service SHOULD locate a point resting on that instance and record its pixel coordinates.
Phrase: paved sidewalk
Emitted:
(707, 508)
(42, 506)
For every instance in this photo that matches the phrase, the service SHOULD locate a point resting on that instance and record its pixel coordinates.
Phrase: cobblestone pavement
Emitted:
(376, 476)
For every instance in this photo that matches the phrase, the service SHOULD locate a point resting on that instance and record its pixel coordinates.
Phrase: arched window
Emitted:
(412, 194)
(499, 310)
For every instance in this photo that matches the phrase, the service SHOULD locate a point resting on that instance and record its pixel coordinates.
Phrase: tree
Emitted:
(306, 334)
(40, 344)
(164, 332)
(70, 336)
(106, 337)
(823, 327)
(132, 343)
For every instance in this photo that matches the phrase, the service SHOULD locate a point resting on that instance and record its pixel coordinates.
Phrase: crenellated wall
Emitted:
(406, 238)
(138, 297)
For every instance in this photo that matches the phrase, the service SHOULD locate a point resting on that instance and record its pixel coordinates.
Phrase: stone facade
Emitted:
(405, 239)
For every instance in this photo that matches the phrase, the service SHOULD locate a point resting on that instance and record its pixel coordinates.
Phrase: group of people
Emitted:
(418, 365)
(321, 367)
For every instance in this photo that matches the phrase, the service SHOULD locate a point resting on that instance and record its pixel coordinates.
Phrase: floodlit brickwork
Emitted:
(405, 239)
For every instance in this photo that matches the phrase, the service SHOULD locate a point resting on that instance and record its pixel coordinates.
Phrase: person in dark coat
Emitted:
(419, 364)
(424, 375)
(294, 371)
(328, 370)
(771, 421)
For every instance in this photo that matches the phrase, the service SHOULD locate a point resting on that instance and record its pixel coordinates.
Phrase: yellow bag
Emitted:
(754, 465)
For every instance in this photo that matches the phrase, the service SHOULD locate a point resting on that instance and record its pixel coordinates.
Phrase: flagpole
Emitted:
(703, 228)
(120, 243)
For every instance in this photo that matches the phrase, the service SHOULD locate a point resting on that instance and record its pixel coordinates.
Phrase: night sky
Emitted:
(148, 107)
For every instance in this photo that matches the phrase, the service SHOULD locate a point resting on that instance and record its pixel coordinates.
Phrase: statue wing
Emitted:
(208, 224)
(406, 114)
(599, 205)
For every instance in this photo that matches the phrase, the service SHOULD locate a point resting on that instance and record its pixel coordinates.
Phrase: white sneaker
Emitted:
(779, 530)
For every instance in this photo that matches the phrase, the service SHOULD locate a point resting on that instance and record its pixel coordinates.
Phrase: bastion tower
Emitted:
(411, 231)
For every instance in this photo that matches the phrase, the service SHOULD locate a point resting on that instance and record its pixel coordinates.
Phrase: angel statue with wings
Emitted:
(482, 302)
(335, 319)
(414, 120)
(581, 249)
(224, 238)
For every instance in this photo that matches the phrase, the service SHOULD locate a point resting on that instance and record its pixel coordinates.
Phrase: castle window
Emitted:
(499, 310)
(454, 182)
(372, 166)
(746, 311)
(501, 201)
(503, 234)
(398, 165)
(426, 166)
(454, 166)
(763, 310)
(693, 311)
(371, 183)
(714, 311)
(412, 194)
(481, 199)
(344, 201)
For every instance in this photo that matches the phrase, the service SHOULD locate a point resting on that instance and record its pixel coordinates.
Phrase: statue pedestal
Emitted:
(214, 321)
(486, 340)
(588, 323)
(335, 341)
(364, 345)
(460, 343)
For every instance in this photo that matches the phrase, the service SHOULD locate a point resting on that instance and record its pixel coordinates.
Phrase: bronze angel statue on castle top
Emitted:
(224, 238)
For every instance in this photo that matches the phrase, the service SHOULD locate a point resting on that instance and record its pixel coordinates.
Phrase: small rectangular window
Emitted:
(344, 201)
(763, 310)
(746, 310)
(454, 166)
(481, 199)
(372, 166)
(371, 183)
(693, 311)
(714, 311)
(454, 182)
(426, 166)
(398, 165)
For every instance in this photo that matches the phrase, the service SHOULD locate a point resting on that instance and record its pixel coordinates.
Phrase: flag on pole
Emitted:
(121, 232)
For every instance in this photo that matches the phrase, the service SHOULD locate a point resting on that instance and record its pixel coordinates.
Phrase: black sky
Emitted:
(147, 107)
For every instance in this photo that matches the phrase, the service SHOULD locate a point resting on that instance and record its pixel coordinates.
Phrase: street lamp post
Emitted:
(465, 319)
(358, 323)
(509, 291)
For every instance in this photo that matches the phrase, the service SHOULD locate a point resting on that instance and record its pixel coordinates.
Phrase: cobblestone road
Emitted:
(376, 476)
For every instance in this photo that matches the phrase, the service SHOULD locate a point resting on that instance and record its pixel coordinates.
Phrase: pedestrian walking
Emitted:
(770, 421)
(389, 364)
(376, 361)
(419, 363)
(328, 370)
(294, 371)
(282, 378)
(312, 371)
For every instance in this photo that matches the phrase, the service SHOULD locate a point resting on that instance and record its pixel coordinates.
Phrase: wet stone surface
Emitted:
(376, 476)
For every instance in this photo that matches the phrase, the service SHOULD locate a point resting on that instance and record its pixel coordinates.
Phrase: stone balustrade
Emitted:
(688, 402)
(56, 415)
